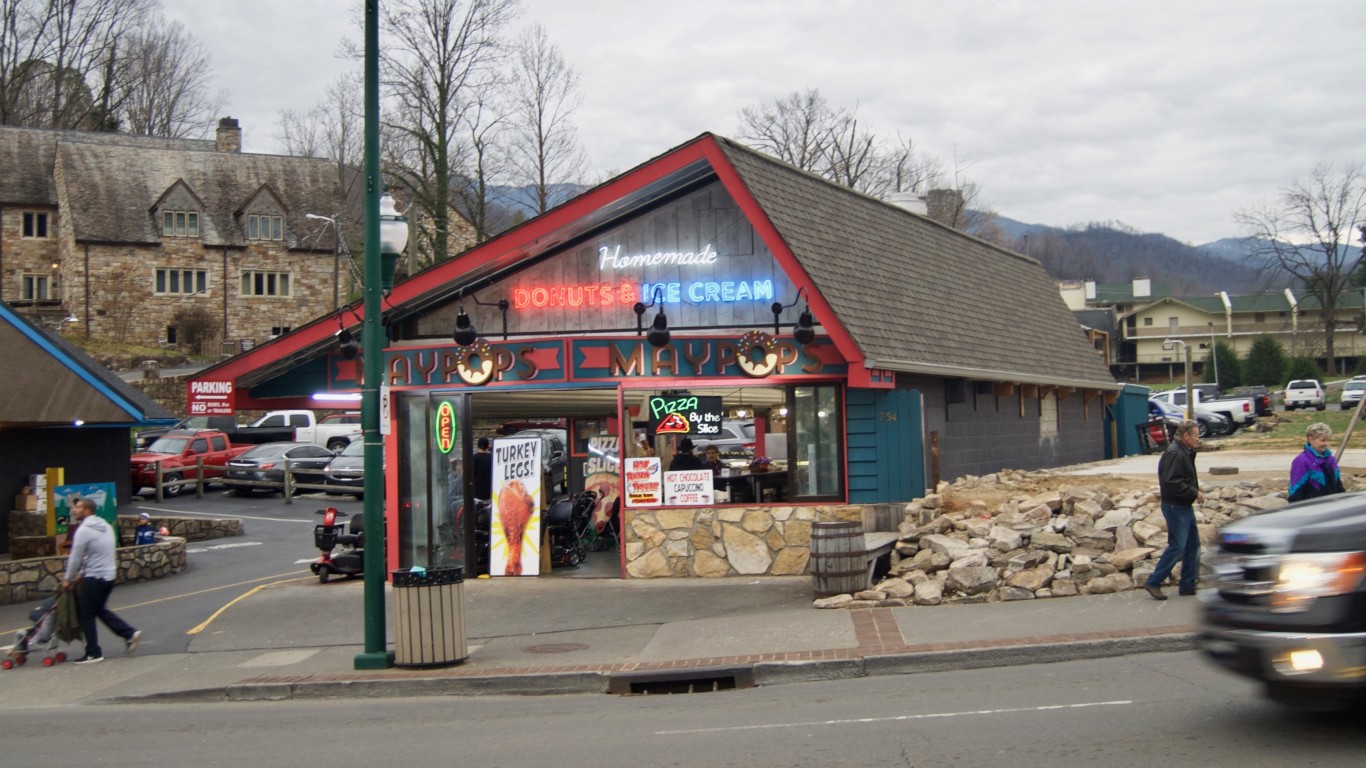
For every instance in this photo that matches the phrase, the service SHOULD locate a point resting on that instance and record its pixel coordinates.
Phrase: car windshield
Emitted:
(1304, 385)
(1354, 385)
(169, 445)
(267, 451)
(353, 448)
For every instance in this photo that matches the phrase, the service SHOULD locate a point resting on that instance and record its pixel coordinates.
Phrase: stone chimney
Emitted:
(945, 206)
(229, 135)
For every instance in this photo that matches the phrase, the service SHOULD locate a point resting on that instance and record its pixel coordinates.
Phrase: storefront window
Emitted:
(431, 485)
(815, 424)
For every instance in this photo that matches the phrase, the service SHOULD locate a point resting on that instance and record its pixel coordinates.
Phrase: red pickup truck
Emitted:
(179, 452)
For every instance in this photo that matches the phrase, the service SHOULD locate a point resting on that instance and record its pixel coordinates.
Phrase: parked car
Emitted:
(1210, 423)
(334, 431)
(1260, 396)
(1304, 393)
(736, 442)
(554, 454)
(347, 469)
(180, 454)
(1352, 392)
(266, 463)
(1239, 410)
(238, 434)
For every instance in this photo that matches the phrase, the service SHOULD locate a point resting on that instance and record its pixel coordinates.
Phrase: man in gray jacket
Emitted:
(94, 566)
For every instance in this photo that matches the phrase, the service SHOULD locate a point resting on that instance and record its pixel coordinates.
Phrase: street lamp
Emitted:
(336, 257)
(384, 240)
(1190, 399)
(1214, 354)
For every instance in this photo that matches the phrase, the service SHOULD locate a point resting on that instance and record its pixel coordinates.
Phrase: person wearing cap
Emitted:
(144, 533)
(684, 459)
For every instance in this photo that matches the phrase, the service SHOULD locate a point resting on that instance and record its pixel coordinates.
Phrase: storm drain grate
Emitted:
(555, 648)
(700, 680)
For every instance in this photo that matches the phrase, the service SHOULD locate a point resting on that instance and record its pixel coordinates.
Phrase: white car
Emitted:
(1304, 393)
(1352, 392)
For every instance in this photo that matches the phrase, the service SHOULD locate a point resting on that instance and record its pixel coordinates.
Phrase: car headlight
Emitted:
(1303, 578)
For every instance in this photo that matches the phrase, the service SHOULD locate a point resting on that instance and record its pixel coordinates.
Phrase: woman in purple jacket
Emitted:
(1314, 472)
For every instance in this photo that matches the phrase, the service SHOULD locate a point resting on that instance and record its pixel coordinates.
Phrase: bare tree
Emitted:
(436, 55)
(168, 74)
(795, 129)
(1306, 234)
(60, 62)
(545, 94)
(480, 149)
(853, 156)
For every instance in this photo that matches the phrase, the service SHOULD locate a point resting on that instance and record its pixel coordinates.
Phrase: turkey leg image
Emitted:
(515, 506)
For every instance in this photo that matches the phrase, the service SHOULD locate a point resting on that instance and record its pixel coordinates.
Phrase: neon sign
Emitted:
(445, 427)
(611, 258)
(575, 295)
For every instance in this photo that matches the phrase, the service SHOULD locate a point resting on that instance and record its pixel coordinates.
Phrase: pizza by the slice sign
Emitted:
(673, 424)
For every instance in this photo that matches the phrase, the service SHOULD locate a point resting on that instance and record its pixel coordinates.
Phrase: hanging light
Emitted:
(393, 238)
(465, 334)
(659, 331)
(347, 343)
(805, 332)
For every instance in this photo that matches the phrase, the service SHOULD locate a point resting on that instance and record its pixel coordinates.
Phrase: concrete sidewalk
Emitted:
(560, 635)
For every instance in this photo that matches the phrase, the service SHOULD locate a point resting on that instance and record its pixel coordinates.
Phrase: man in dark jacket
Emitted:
(1180, 490)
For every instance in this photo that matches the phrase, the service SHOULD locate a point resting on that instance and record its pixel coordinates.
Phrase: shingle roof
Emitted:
(48, 381)
(916, 295)
(111, 190)
(26, 158)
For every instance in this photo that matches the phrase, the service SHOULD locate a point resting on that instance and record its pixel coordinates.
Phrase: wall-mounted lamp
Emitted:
(805, 330)
(346, 341)
(659, 329)
(56, 264)
(501, 304)
(465, 334)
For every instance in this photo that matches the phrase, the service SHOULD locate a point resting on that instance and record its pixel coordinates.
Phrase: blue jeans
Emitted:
(1183, 543)
(93, 595)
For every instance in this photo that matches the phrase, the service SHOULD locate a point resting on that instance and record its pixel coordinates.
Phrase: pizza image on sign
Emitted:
(673, 424)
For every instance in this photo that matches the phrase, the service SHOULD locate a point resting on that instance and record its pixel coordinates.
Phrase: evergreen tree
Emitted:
(1223, 362)
(1265, 363)
(1304, 368)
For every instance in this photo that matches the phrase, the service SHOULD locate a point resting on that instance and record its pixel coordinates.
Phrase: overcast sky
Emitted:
(1166, 115)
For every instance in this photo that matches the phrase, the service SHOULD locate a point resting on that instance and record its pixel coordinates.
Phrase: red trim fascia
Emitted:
(490, 251)
(758, 219)
(548, 222)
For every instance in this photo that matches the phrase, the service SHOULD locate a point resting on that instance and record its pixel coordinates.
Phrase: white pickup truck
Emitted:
(1240, 411)
(334, 431)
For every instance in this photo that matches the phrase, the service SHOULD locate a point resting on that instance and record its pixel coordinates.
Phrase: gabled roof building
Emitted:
(870, 350)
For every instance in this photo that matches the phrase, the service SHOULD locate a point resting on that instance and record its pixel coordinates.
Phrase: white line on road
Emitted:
(234, 545)
(895, 718)
(224, 514)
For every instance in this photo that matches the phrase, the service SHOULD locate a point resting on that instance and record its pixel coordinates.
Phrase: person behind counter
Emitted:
(713, 461)
(684, 459)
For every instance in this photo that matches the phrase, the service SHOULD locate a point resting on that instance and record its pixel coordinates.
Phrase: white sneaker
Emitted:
(89, 660)
(132, 644)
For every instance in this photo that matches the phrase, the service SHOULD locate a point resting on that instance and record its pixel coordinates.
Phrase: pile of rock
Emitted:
(1076, 539)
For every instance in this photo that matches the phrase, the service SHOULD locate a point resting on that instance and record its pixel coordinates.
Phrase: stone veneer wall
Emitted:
(39, 577)
(725, 541)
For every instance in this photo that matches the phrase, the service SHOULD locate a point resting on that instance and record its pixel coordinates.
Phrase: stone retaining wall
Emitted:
(714, 542)
(38, 577)
(35, 578)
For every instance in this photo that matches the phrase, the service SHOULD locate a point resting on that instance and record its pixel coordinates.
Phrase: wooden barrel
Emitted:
(838, 564)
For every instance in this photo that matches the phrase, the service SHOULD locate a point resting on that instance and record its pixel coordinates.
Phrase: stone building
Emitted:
(169, 241)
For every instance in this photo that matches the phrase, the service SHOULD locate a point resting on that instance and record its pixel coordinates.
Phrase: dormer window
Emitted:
(263, 227)
(179, 224)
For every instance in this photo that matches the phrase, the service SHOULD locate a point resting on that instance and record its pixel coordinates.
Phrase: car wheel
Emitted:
(1321, 407)
(1202, 428)
(336, 446)
(168, 489)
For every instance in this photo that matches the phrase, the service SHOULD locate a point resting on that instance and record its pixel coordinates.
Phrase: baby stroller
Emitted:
(566, 522)
(42, 634)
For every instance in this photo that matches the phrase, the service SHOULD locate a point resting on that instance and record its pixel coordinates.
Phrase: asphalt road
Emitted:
(278, 545)
(1137, 711)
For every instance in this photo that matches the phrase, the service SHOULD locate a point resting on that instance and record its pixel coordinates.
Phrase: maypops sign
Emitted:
(609, 360)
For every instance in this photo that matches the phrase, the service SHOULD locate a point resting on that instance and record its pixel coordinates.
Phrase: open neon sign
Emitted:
(576, 295)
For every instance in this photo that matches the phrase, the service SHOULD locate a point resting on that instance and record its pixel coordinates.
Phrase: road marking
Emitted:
(279, 577)
(236, 600)
(164, 510)
(234, 545)
(896, 718)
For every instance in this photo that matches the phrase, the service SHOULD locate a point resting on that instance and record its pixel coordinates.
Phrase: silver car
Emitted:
(1351, 392)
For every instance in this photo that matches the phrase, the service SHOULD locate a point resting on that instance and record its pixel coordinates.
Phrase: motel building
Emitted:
(844, 354)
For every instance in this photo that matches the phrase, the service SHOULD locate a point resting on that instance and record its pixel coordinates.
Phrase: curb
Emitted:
(599, 682)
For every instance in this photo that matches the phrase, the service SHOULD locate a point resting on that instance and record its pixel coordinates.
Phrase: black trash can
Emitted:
(429, 617)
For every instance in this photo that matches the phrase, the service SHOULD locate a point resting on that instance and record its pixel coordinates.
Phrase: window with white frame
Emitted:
(37, 287)
(261, 283)
(263, 227)
(179, 224)
(182, 281)
(35, 224)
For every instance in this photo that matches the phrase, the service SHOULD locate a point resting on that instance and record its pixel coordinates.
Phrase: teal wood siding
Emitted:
(885, 449)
